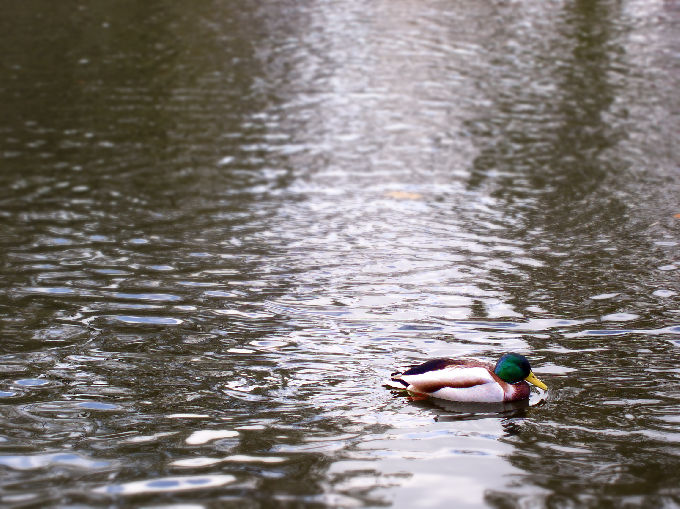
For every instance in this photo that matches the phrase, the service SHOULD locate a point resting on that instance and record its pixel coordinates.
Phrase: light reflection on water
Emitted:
(223, 228)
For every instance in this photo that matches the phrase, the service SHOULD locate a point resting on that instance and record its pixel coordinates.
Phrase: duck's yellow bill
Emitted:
(533, 380)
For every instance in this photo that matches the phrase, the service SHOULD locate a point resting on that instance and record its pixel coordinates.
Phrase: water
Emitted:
(224, 225)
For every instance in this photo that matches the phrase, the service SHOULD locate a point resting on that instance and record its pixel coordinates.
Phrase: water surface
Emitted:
(223, 226)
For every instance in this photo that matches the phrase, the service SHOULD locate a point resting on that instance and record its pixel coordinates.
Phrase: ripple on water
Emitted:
(157, 297)
(32, 382)
(604, 296)
(40, 461)
(98, 405)
(205, 436)
(167, 485)
(146, 320)
(200, 462)
(620, 317)
(664, 293)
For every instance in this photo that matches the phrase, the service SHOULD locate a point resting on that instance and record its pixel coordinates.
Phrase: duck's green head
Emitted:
(513, 368)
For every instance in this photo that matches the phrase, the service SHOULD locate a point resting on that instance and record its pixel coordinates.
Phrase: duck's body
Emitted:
(470, 380)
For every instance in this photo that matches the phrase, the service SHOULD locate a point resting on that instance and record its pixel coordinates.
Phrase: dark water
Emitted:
(222, 224)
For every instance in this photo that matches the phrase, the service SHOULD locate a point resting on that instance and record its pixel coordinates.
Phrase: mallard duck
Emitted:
(471, 380)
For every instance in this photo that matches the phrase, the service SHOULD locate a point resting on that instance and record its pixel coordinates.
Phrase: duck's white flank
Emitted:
(457, 383)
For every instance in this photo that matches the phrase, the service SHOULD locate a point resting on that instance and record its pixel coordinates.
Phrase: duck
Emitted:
(471, 380)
